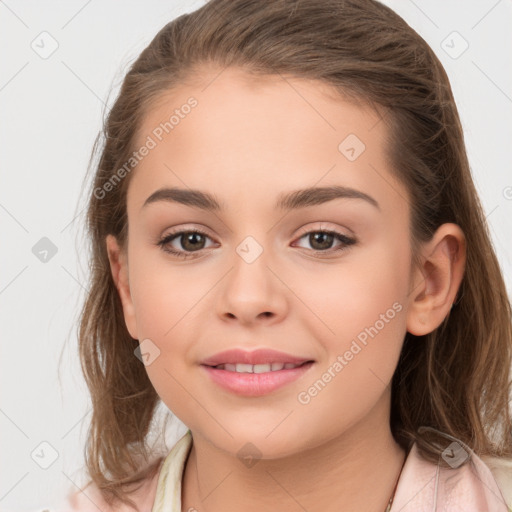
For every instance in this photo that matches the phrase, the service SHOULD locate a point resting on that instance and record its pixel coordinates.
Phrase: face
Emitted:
(323, 277)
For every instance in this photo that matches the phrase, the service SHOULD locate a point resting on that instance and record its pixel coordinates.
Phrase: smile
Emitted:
(255, 368)
(255, 380)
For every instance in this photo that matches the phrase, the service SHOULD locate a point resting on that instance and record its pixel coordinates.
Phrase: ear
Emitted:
(119, 268)
(435, 284)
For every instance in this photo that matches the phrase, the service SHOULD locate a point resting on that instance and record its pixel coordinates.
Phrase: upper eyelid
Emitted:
(323, 225)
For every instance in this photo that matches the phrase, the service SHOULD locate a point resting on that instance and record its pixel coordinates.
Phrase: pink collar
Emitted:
(423, 486)
(427, 487)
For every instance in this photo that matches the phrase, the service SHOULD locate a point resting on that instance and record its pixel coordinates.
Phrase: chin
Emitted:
(248, 443)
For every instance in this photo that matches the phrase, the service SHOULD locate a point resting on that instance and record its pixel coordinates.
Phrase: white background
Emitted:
(51, 111)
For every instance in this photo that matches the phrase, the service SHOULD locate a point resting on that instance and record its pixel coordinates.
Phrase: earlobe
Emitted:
(436, 282)
(119, 269)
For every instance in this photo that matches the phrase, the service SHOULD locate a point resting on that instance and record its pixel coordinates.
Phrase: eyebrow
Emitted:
(287, 201)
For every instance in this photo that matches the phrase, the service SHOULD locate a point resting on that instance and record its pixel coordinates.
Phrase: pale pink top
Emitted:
(475, 486)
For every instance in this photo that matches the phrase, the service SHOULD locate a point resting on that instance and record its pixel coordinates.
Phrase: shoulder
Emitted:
(168, 474)
(90, 498)
(480, 483)
(501, 469)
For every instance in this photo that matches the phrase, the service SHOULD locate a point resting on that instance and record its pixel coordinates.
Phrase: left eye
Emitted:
(193, 241)
(324, 239)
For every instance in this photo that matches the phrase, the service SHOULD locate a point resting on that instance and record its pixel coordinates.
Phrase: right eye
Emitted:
(190, 240)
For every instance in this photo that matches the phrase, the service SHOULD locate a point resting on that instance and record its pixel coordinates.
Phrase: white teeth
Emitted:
(261, 368)
(244, 368)
(256, 368)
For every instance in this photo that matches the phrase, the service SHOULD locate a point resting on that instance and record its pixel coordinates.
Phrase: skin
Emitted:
(247, 141)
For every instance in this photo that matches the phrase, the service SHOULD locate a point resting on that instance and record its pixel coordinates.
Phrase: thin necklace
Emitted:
(388, 508)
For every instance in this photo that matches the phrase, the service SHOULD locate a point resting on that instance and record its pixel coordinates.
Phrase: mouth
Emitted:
(257, 368)
(255, 380)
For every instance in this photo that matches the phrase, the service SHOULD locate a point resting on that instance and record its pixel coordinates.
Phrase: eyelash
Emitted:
(346, 241)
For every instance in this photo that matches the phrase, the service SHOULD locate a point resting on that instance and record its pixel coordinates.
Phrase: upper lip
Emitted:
(259, 356)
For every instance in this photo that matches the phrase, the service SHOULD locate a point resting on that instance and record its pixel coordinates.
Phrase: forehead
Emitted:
(259, 133)
(236, 98)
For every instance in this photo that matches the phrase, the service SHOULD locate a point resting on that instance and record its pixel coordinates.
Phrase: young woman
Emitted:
(288, 251)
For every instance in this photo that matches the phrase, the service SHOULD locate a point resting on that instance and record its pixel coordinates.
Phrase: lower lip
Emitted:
(255, 384)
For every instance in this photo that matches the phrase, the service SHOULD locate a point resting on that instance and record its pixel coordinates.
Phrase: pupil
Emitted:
(325, 240)
(190, 239)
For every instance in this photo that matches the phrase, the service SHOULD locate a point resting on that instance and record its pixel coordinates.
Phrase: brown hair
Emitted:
(454, 380)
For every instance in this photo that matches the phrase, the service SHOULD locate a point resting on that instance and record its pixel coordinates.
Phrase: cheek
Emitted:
(361, 308)
(352, 294)
(164, 294)
(166, 308)
(365, 315)
(169, 302)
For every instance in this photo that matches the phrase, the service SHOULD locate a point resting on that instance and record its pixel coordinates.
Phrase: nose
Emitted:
(252, 293)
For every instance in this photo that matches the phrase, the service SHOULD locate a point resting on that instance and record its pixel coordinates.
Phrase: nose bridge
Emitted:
(251, 262)
(251, 287)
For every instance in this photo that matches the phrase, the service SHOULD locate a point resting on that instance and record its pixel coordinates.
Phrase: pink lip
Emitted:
(255, 384)
(259, 356)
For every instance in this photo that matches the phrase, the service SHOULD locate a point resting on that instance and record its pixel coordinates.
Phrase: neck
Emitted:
(355, 471)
